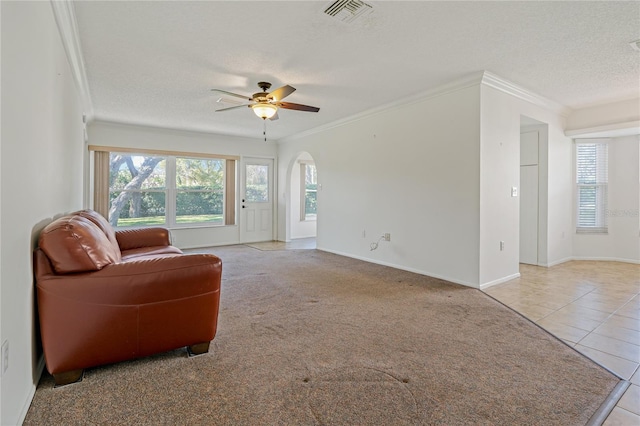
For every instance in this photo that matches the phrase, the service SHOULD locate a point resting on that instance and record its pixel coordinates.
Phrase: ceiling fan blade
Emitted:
(233, 107)
(297, 107)
(281, 93)
(274, 117)
(232, 94)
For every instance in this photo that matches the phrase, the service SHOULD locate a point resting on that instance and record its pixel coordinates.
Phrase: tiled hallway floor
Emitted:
(592, 306)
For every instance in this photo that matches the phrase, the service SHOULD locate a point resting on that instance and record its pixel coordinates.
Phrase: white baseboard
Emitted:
(32, 391)
(557, 262)
(595, 258)
(403, 268)
(607, 259)
(217, 244)
(499, 281)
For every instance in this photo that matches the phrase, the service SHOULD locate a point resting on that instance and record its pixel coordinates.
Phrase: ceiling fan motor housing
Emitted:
(261, 97)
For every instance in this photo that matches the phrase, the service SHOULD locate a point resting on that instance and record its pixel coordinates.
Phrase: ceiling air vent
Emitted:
(348, 10)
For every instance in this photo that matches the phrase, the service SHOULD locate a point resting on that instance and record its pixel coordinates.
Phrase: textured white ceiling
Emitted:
(154, 62)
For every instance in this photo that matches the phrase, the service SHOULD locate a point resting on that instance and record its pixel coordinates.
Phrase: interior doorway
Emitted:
(303, 206)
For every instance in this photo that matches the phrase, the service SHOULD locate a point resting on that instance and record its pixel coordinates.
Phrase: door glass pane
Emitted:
(257, 183)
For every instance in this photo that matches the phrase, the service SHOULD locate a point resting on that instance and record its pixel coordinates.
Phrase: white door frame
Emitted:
(257, 218)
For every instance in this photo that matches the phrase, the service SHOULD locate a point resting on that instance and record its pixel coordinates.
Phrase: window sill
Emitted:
(199, 226)
(176, 227)
(595, 231)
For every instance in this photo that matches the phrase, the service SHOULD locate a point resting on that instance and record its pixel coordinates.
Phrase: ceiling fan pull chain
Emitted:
(264, 129)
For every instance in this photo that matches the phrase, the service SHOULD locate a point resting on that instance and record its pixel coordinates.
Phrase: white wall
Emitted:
(622, 242)
(131, 136)
(500, 160)
(41, 176)
(437, 174)
(411, 171)
(299, 228)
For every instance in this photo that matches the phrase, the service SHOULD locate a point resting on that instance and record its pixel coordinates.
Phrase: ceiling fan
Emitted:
(265, 104)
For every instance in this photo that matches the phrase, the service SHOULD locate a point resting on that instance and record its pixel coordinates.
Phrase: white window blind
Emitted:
(592, 187)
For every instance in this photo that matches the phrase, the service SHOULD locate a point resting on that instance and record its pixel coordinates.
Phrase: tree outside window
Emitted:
(165, 190)
(309, 185)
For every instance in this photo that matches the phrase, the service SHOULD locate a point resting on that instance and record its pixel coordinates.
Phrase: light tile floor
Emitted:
(592, 306)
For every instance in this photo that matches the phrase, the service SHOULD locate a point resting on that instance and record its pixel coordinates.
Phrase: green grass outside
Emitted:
(160, 220)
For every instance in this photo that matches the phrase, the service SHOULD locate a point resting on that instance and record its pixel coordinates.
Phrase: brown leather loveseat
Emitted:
(106, 296)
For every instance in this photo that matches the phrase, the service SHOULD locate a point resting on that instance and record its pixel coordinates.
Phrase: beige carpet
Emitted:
(307, 337)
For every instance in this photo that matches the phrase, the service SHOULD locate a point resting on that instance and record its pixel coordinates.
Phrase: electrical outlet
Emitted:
(514, 191)
(5, 356)
(387, 237)
(501, 245)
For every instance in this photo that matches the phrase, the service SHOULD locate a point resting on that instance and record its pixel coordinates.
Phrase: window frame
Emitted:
(600, 186)
(101, 187)
(303, 191)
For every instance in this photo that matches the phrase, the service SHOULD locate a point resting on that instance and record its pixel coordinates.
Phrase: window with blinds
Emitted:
(591, 187)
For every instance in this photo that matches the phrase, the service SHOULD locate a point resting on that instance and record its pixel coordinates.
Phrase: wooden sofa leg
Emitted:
(198, 348)
(68, 377)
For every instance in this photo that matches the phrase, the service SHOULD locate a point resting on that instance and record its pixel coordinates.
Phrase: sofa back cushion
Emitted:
(76, 244)
(105, 226)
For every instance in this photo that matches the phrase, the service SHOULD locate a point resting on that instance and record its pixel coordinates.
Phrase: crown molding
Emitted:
(519, 92)
(475, 79)
(100, 120)
(463, 83)
(65, 16)
(615, 130)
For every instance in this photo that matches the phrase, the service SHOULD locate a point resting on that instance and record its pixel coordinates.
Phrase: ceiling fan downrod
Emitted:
(264, 85)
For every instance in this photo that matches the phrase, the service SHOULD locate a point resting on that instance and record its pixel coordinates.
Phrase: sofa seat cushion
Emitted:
(75, 244)
(142, 252)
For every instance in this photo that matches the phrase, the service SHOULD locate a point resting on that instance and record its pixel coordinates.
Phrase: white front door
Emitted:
(256, 200)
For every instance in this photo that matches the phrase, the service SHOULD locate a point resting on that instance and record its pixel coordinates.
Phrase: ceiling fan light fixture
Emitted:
(264, 110)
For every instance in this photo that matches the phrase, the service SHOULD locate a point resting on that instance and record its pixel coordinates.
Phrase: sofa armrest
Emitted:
(142, 237)
(139, 282)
